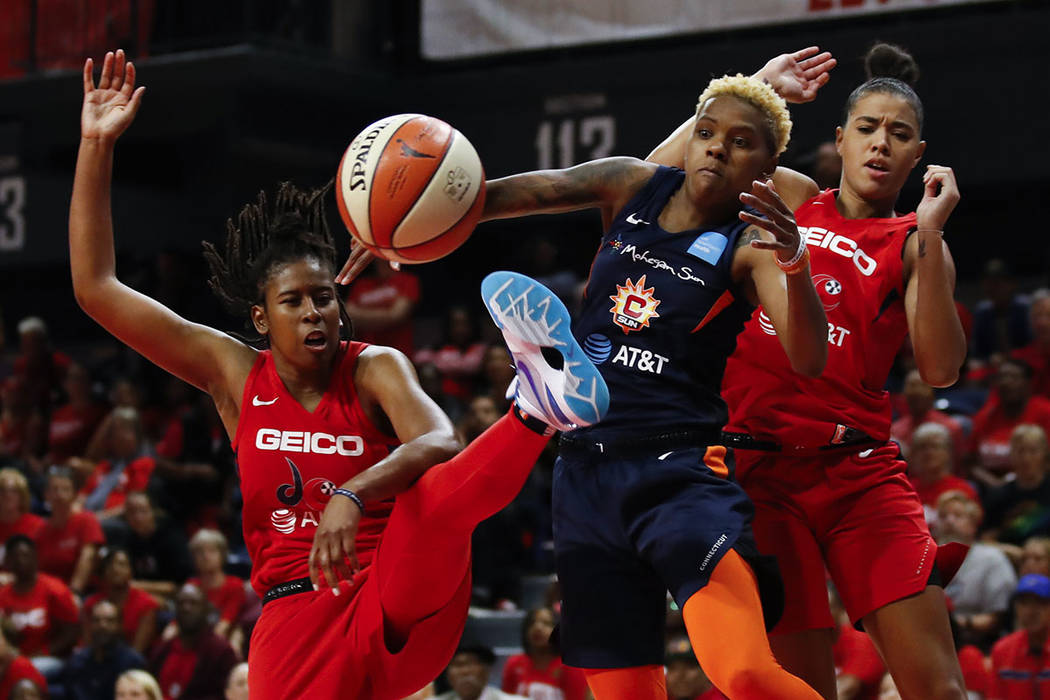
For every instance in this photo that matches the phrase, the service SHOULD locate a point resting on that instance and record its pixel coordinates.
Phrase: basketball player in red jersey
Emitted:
(327, 433)
(813, 454)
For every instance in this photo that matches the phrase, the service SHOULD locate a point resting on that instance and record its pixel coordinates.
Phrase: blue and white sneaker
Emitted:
(531, 318)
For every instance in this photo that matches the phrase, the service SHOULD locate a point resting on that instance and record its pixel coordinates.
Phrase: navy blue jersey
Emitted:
(660, 317)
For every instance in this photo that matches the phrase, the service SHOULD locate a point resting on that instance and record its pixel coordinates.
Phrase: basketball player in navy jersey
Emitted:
(364, 596)
(645, 501)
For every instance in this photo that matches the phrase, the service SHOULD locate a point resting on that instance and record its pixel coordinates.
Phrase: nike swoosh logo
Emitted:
(256, 401)
(632, 218)
(407, 150)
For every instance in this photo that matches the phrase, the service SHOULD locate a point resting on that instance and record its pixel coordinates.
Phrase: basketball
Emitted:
(410, 188)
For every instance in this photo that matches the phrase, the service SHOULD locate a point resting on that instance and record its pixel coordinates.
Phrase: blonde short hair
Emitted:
(1028, 431)
(20, 483)
(206, 537)
(149, 684)
(972, 507)
(759, 95)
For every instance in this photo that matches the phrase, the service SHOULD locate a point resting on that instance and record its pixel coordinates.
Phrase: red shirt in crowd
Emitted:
(1017, 672)
(975, 669)
(376, 293)
(1039, 359)
(135, 478)
(855, 655)
(58, 548)
(135, 607)
(35, 612)
(929, 493)
(71, 429)
(459, 367)
(227, 599)
(20, 669)
(556, 682)
(177, 671)
(990, 438)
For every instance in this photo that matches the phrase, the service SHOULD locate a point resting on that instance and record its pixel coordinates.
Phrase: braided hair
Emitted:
(263, 239)
(891, 70)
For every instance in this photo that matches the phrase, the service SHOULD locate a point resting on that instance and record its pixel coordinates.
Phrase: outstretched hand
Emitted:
(110, 107)
(774, 216)
(798, 76)
(357, 262)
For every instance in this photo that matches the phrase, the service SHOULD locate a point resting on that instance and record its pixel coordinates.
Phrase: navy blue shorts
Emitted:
(629, 529)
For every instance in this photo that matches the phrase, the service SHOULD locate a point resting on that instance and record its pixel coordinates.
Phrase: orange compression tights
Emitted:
(728, 634)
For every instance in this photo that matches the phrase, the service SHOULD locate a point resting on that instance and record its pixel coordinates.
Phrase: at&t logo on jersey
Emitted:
(840, 245)
(634, 305)
(317, 443)
(314, 494)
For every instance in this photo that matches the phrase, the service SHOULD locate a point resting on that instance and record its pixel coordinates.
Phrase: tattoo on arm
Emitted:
(578, 187)
(750, 234)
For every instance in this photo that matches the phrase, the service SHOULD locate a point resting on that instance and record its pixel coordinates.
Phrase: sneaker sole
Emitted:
(509, 295)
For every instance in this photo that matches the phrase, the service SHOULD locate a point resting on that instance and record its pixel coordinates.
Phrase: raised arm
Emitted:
(796, 77)
(780, 281)
(202, 356)
(387, 382)
(929, 274)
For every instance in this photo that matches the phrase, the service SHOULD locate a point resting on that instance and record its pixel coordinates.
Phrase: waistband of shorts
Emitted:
(850, 438)
(299, 585)
(641, 444)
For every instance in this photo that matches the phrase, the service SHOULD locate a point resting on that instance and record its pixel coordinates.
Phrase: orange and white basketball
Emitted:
(410, 188)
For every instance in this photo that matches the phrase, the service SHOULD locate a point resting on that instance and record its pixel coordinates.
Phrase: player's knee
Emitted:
(751, 682)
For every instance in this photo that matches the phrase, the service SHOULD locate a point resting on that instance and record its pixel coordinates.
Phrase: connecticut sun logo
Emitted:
(634, 305)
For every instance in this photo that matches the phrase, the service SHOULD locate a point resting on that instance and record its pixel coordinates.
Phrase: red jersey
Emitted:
(228, 599)
(858, 270)
(1017, 672)
(974, 668)
(20, 669)
(34, 613)
(135, 607)
(290, 460)
(58, 548)
(556, 682)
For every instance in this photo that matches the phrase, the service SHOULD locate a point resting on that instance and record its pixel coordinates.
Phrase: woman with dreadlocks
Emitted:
(327, 433)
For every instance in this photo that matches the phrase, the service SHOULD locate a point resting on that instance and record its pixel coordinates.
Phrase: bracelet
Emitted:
(352, 496)
(938, 231)
(799, 252)
(797, 264)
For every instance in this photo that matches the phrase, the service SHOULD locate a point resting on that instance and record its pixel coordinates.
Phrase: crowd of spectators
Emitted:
(120, 542)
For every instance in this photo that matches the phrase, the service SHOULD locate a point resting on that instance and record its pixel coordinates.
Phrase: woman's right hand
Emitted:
(110, 107)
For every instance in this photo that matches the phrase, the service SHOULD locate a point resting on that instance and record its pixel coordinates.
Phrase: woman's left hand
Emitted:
(777, 218)
(334, 543)
(939, 198)
(798, 76)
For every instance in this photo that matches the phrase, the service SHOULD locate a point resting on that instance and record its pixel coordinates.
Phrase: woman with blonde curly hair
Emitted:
(15, 501)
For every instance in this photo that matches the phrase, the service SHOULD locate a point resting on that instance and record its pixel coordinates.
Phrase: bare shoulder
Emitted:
(379, 366)
(793, 187)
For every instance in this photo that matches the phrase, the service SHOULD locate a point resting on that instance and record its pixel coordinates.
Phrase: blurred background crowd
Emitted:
(119, 500)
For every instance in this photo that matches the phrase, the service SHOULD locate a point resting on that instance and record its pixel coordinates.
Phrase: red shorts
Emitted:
(852, 512)
(321, 646)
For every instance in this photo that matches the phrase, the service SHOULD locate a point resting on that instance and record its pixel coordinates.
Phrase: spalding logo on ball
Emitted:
(410, 188)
